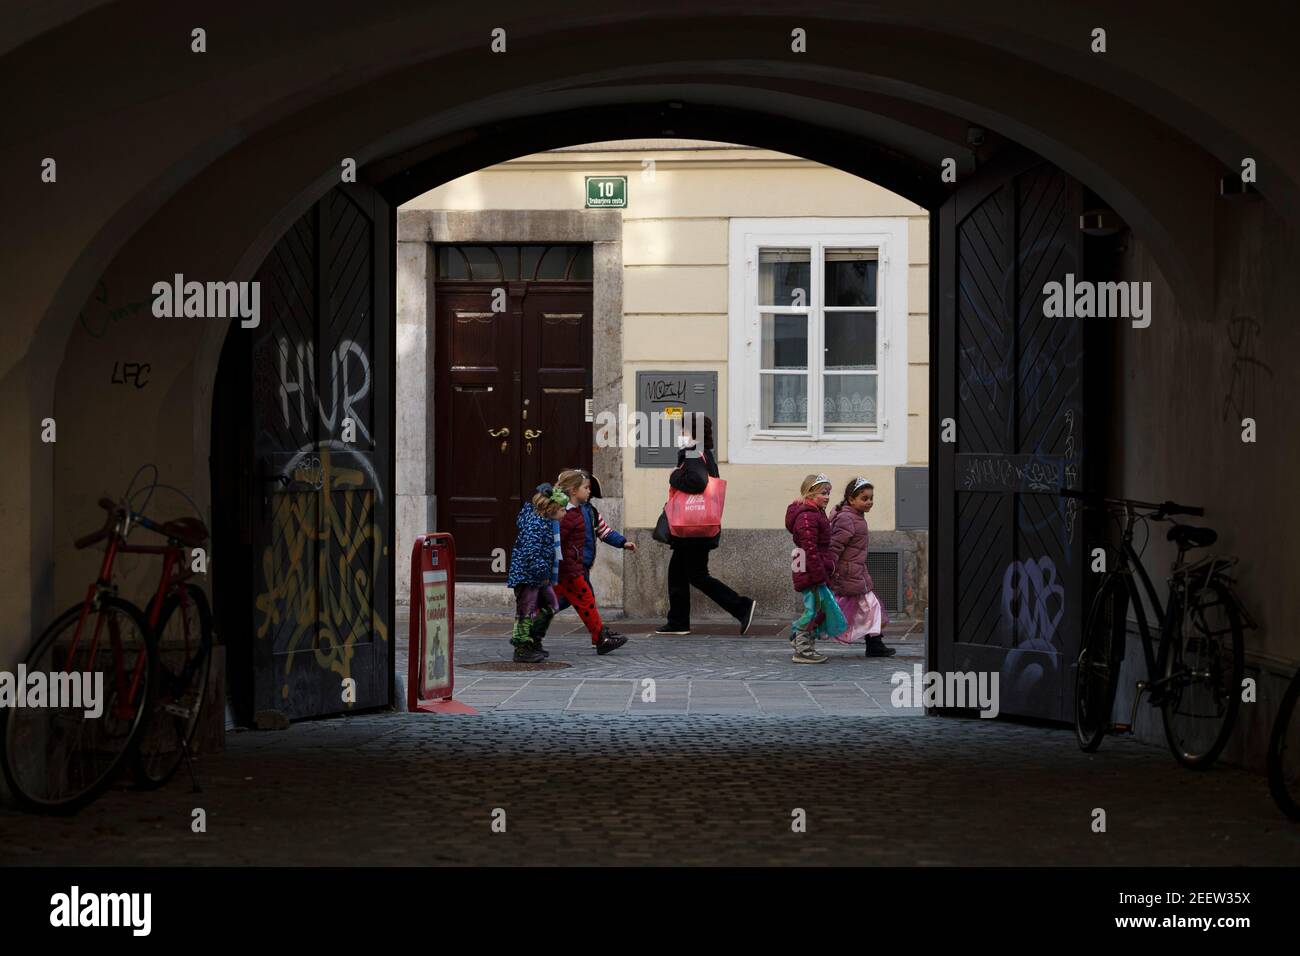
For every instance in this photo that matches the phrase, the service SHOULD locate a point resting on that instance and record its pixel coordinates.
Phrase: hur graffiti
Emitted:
(302, 359)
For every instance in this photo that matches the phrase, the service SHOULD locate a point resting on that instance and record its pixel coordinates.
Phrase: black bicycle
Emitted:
(1284, 752)
(1194, 668)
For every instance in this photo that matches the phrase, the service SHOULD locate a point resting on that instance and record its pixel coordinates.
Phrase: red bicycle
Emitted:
(153, 671)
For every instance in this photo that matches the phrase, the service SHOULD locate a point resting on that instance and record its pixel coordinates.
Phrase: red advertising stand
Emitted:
(430, 676)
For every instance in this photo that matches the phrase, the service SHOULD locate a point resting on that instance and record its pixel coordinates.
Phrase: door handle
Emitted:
(499, 433)
(530, 433)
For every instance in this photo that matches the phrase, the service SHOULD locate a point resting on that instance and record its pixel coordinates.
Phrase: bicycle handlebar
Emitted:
(96, 536)
(1159, 511)
(111, 520)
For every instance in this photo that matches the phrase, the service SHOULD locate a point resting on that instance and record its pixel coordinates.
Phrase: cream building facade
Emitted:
(802, 288)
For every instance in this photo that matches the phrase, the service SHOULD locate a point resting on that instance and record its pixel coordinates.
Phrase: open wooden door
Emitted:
(321, 504)
(1008, 588)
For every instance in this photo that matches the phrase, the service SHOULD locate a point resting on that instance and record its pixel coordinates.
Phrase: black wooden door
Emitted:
(1009, 589)
(322, 366)
(510, 400)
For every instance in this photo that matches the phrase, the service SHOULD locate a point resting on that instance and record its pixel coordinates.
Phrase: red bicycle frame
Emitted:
(117, 544)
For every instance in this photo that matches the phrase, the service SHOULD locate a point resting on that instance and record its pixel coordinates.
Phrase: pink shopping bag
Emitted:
(697, 516)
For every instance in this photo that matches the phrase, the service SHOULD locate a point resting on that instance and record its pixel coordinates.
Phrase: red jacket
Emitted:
(573, 540)
(812, 533)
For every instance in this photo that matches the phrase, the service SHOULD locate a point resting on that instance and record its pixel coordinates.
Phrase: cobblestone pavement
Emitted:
(711, 776)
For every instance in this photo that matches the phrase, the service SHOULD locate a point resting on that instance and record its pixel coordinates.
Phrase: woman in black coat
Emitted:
(689, 565)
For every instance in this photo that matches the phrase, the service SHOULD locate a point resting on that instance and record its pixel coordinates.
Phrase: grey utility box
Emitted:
(662, 399)
(912, 498)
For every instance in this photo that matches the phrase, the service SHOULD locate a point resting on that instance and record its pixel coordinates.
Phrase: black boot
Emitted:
(609, 641)
(528, 654)
(876, 647)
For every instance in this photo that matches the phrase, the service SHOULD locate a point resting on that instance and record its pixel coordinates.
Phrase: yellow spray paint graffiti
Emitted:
(319, 567)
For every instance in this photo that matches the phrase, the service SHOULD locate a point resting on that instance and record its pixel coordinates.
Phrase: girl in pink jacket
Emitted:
(811, 568)
(851, 582)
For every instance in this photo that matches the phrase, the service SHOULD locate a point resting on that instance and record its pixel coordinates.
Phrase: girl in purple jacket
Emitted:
(811, 566)
(851, 581)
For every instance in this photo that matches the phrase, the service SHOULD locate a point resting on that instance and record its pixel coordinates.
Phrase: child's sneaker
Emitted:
(609, 641)
(809, 657)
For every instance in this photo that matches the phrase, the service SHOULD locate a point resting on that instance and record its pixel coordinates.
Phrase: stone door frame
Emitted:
(418, 230)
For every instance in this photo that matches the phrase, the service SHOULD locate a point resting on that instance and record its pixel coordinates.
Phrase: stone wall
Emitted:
(754, 562)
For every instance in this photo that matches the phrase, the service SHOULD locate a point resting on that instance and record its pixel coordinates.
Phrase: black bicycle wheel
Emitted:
(183, 658)
(58, 759)
(1284, 753)
(1203, 671)
(1097, 675)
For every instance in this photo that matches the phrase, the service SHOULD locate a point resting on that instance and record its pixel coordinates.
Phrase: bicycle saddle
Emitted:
(1190, 536)
(189, 531)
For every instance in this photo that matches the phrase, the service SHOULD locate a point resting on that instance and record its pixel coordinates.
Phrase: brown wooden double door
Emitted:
(510, 401)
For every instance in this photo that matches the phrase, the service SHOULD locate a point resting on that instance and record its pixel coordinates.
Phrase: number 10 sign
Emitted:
(606, 192)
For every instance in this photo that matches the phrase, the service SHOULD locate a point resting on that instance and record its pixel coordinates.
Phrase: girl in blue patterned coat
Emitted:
(534, 569)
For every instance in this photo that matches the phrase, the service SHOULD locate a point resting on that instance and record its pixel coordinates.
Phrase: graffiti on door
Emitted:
(1033, 601)
(329, 607)
(349, 366)
(1033, 604)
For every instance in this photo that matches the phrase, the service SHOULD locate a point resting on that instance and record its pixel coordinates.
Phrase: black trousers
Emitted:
(689, 566)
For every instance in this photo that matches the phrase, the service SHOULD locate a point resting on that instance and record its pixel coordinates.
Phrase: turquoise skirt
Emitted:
(821, 613)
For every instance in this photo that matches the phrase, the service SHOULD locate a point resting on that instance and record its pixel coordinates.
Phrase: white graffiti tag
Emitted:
(304, 384)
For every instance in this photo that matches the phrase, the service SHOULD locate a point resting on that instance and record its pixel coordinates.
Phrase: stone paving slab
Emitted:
(694, 696)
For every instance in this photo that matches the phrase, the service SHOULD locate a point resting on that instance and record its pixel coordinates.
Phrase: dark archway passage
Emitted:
(248, 140)
(992, 359)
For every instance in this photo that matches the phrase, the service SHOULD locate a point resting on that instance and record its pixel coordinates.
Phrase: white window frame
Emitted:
(747, 442)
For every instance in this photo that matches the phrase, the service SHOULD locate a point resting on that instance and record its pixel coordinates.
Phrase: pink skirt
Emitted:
(865, 616)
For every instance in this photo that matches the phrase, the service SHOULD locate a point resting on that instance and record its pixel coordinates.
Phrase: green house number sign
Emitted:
(606, 192)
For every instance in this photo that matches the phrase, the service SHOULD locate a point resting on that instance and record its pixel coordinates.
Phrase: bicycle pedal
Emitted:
(177, 710)
(1121, 728)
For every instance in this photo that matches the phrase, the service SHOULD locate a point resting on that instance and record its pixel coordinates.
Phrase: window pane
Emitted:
(483, 262)
(784, 277)
(451, 263)
(581, 268)
(851, 340)
(553, 263)
(509, 256)
(531, 255)
(785, 401)
(849, 404)
(851, 276)
(785, 340)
